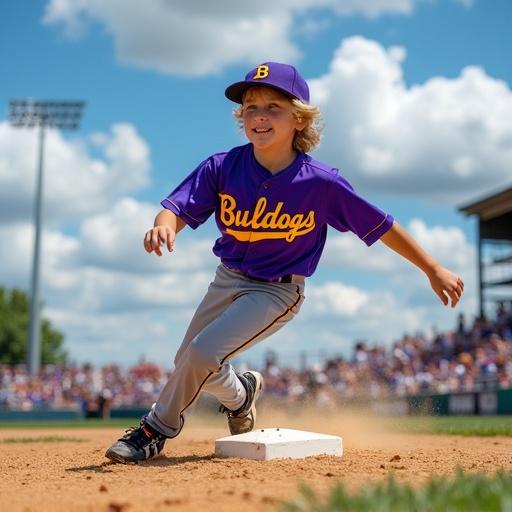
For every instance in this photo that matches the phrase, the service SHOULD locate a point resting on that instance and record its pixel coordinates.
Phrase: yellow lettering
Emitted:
(261, 72)
(292, 226)
(310, 220)
(242, 218)
(258, 212)
(292, 234)
(296, 221)
(227, 205)
(270, 218)
(284, 221)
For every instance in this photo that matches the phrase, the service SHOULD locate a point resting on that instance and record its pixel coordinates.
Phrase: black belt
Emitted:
(284, 279)
(288, 278)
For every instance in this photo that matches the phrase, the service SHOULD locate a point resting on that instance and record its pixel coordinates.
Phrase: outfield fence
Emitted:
(485, 402)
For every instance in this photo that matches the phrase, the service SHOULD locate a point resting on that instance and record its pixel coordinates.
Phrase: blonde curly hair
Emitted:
(309, 137)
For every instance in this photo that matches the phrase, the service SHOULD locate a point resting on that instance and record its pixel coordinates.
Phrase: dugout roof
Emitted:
(495, 214)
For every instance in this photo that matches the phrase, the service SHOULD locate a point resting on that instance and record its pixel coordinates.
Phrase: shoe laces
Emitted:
(139, 436)
(136, 437)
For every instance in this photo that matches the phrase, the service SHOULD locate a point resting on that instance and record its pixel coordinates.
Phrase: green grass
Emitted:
(43, 439)
(92, 423)
(450, 425)
(464, 493)
(454, 425)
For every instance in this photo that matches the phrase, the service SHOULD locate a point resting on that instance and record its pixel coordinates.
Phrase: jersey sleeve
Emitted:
(195, 198)
(347, 211)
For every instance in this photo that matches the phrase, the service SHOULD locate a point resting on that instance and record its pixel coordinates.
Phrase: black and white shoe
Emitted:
(138, 443)
(243, 419)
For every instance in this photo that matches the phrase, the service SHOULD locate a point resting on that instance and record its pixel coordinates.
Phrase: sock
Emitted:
(241, 396)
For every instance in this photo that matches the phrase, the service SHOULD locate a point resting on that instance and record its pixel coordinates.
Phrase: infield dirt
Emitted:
(73, 475)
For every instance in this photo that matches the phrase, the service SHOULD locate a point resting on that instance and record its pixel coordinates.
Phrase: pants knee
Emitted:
(202, 356)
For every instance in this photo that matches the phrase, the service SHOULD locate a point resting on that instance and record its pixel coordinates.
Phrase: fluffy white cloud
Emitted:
(113, 240)
(359, 311)
(105, 268)
(334, 316)
(445, 139)
(16, 242)
(447, 244)
(200, 37)
(411, 304)
(334, 298)
(347, 251)
(113, 301)
(120, 337)
(75, 183)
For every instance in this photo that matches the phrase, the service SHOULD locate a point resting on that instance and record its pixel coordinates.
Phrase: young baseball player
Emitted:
(272, 204)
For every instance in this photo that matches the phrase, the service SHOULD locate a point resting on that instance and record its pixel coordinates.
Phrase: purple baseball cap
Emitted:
(283, 77)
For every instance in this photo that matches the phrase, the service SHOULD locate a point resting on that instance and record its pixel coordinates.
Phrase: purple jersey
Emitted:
(273, 224)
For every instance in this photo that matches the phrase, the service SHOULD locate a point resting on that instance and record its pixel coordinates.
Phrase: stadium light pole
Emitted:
(27, 113)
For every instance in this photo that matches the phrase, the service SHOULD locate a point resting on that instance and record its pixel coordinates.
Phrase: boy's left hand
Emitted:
(446, 285)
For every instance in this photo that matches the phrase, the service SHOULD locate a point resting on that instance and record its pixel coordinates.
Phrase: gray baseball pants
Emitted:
(236, 313)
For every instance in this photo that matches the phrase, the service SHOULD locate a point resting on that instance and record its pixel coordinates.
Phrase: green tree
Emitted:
(14, 322)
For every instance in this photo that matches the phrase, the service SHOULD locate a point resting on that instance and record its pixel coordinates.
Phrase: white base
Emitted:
(278, 443)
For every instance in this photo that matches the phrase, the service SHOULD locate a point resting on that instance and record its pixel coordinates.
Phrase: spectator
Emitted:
(470, 358)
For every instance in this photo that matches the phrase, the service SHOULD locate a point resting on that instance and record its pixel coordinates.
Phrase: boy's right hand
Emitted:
(158, 236)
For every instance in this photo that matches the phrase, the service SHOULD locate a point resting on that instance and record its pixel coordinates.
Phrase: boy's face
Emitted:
(268, 119)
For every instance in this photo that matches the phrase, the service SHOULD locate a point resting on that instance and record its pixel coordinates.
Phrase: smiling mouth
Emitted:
(262, 130)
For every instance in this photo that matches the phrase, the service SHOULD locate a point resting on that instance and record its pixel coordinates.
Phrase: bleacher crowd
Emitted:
(465, 359)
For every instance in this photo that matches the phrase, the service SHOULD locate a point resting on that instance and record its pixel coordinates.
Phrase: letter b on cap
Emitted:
(261, 72)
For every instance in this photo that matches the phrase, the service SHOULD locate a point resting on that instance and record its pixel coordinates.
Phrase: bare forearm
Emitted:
(445, 284)
(402, 243)
(168, 218)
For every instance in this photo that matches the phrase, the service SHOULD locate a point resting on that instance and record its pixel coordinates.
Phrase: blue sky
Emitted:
(416, 100)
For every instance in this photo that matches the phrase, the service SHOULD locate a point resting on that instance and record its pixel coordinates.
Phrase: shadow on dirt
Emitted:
(95, 468)
(158, 462)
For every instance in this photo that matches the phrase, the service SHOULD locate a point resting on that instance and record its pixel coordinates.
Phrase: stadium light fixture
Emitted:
(62, 115)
